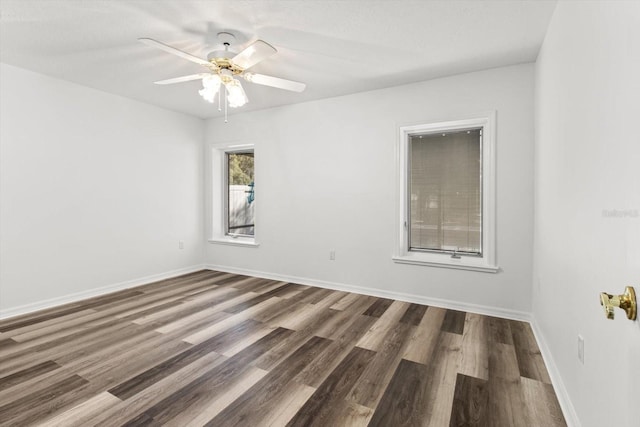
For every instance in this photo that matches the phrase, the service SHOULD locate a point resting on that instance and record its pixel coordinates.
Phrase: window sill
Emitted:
(460, 264)
(237, 241)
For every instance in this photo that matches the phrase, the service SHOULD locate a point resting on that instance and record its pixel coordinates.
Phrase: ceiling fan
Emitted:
(223, 66)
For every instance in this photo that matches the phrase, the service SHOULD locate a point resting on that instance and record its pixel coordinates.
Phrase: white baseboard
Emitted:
(570, 414)
(65, 299)
(413, 298)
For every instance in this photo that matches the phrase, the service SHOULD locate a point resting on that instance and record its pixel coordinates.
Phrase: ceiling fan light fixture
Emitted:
(210, 87)
(211, 80)
(208, 94)
(223, 66)
(235, 94)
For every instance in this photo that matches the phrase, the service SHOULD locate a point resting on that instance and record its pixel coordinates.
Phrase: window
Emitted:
(240, 194)
(233, 195)
(445, 187)
(447, 214)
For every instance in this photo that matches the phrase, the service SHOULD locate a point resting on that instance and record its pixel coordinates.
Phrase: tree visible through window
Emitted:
(240, 193)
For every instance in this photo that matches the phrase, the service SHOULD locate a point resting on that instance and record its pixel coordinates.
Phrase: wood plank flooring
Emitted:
(218, 349)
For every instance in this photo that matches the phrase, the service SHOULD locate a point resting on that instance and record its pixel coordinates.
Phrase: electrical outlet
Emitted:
(332, 255)
(581, 349)
(180, 244)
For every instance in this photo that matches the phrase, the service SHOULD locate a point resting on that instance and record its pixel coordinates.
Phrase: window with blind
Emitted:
(445, 185)
(447, 194)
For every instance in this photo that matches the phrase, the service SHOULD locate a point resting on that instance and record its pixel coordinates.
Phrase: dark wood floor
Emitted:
(218, 349)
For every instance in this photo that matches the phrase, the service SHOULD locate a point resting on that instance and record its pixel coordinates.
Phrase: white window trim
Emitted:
(218, 199)
(486, 263)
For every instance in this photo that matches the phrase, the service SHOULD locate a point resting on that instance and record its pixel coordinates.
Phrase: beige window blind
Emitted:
(445, 185)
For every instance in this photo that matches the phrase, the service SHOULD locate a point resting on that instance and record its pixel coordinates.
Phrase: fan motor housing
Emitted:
(220, 59)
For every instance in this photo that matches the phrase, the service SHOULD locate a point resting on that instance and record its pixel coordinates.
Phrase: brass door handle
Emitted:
(626, 301)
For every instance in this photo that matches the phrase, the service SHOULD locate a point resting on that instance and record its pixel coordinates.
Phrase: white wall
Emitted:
(587, 162)
(95, 190)
(326, 178)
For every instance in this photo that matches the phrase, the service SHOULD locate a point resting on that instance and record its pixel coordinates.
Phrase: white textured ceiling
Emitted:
(335, 47)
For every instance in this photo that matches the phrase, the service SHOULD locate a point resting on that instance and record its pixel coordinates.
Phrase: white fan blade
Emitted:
(261, 79)
(253, 54)
(182, 79)
(174, 51)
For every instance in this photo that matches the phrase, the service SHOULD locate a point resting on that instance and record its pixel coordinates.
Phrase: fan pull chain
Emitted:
(224, 88)
(225, 104)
